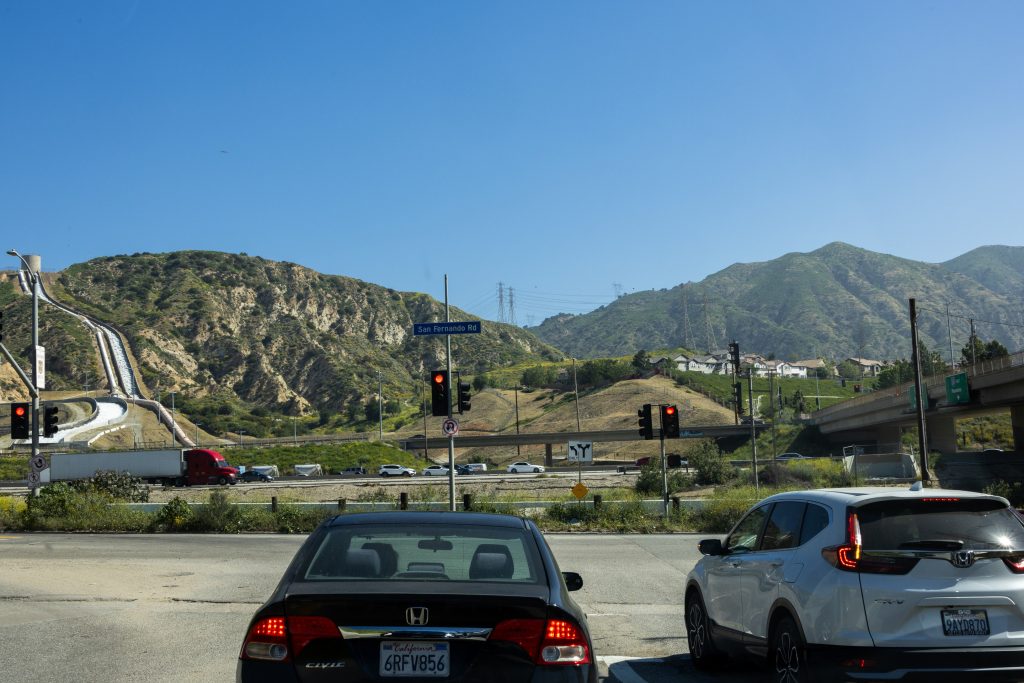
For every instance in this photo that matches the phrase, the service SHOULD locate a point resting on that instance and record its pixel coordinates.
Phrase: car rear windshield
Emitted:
(940, 524)
(434, 552)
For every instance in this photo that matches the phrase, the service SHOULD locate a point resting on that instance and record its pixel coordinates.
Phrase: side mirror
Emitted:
(573, 581)
(711, 546)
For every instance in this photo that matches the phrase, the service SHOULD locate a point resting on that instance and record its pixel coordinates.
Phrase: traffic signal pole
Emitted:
(664, 464)
(753, 425)
(451, 437)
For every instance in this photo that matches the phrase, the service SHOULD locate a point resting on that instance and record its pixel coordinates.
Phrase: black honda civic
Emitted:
(421, 596)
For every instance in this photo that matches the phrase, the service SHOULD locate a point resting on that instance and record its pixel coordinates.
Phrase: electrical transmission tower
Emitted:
(711, 341)
(501, 302)
(511, 306)
(687, 333)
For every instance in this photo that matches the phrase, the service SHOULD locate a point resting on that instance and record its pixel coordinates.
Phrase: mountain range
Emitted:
(287, 338)
(837, 301)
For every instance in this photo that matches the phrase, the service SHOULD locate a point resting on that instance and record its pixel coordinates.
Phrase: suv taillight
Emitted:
(280, 639)
(1016, 563)
(849, 557)
(547, 642)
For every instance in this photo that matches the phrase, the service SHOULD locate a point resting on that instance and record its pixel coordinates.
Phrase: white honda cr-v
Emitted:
(865, 584)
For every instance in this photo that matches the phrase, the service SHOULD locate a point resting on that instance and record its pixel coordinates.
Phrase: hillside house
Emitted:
(782, 368)
(868, 367)
(687, 364)
(812, 365)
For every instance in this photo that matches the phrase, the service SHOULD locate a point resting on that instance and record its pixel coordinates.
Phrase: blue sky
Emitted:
(568, 150)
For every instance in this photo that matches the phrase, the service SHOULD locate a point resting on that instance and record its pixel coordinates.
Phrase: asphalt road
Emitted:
(174, 607)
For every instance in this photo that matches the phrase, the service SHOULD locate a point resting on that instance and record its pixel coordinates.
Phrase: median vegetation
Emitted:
(709, 499)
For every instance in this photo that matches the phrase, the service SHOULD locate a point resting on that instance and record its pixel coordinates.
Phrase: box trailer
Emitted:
(172, 467)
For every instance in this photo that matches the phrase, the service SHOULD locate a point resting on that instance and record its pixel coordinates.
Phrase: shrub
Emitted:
(218, 515)
(116, 485)
(712, 469)
(175, 515)
(625, 516)
(11, 511)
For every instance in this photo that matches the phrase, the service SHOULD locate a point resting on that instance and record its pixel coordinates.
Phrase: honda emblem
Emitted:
(963, 559)
(417, 616)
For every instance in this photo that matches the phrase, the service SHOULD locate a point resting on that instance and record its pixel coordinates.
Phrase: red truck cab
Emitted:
(205, 466)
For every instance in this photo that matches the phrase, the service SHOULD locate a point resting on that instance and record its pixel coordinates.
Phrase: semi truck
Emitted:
(176, 467)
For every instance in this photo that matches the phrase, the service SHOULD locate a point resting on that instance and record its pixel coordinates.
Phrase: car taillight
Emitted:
(851, 558)
(280, 639)
(1016, 564)
(547, 642)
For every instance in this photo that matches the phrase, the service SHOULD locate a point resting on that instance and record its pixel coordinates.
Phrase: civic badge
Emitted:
(418, 616)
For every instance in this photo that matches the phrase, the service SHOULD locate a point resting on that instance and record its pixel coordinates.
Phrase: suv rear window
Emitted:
(939, 524)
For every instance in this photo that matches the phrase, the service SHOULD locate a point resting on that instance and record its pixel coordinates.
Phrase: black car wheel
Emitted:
(222, 481)
(698, 633)
(789, 653)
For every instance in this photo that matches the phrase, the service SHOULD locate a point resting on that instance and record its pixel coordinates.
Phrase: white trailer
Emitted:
(143, 464)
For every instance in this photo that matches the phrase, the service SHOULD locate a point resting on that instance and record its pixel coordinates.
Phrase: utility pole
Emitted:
(173, 422)
(518, 456)
(920, 393)
(380, 407)
(771, 398)
(753, 428)
(974, 356)
(576, 389)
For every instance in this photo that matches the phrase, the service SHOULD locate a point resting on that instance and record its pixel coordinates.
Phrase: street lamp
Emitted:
(198, 425)
(241, 435)
(34, 389)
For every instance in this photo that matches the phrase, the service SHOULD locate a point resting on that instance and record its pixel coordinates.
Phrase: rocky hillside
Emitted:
(274, 334)
(837, 301)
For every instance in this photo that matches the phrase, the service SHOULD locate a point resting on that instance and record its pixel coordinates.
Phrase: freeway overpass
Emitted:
(879, 416)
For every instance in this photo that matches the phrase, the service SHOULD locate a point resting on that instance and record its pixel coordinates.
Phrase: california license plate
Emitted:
(965, 622)
(400, 658)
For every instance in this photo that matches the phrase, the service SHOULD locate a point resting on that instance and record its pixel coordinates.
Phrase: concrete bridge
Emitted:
(879, 416)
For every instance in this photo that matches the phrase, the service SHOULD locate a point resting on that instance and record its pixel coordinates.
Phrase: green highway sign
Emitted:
(958, 389)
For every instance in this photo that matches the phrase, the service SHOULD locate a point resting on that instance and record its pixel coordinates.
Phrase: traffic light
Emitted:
(670, 422)
(646, 425)
(737, 395)
(19, 420)
(50, 421)
(734, 354)
(463, 396)
(439, 393)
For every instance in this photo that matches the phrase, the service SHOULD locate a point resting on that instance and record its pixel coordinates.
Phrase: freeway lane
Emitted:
(173, 608)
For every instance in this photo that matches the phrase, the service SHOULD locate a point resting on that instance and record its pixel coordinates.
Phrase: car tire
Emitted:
(536, 470)
(383, 474)
(515, 471)
(406, 474)
(698, 633)
(787, 657)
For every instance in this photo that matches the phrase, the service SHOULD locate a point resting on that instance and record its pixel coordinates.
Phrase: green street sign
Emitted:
(957, 389)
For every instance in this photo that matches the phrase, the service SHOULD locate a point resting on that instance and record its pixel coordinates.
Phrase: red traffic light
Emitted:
(438, 378)
(20, 411)
(670, 410)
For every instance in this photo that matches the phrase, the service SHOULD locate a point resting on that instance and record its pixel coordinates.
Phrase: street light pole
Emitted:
(198, 425)
(34, 281)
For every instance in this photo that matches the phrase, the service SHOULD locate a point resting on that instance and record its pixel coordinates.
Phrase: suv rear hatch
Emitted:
(941, 572)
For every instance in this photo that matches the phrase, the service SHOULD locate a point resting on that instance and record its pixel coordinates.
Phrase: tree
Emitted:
(850, 370)
(903, 370)
(641, 361)
(976, 350)
(538, 376)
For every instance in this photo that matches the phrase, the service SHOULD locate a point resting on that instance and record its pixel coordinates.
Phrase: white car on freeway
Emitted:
(517, 467)
(435, 470)
(396, 471)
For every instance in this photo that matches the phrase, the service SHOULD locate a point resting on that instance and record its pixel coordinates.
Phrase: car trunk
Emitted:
(411, 636)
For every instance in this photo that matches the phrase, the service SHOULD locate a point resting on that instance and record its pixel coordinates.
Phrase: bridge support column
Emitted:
(548, 455)
(942, 433)
(1017, 423)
